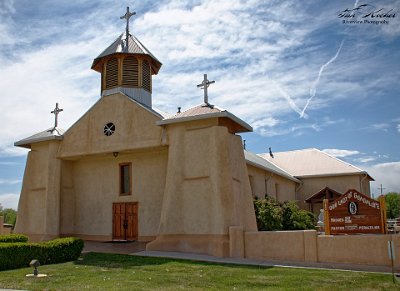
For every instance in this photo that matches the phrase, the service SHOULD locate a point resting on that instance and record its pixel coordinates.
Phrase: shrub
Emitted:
(294, 218)
(268, 214)
(13, 238)
(272, 215)
(17, 255)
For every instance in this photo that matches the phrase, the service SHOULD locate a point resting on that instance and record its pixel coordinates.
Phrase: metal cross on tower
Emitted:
(127, 16)
(204, 85)
(56, 111)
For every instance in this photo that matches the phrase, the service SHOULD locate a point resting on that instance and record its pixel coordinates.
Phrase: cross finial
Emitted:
(204, 85)
(127, 16)
(56, 111)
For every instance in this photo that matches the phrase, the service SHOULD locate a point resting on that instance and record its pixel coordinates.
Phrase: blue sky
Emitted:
(292, 69)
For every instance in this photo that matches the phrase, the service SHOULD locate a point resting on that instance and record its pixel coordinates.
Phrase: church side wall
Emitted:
(266, 183)
(96, 188)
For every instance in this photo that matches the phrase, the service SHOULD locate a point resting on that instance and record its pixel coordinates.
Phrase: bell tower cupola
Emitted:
(127, 66)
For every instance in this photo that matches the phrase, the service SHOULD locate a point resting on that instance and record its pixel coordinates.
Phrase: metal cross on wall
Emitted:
(127, 16)
(56, 111)
(204, 85)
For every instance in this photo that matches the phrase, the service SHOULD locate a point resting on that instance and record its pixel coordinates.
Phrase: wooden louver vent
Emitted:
(130, 72)
(112, 73)
(146, 76)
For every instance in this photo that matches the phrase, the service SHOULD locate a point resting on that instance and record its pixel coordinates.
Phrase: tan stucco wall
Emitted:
(87, 208)
(38, 208)
(307, 246)
(135, 129)
(264, 182)
(207, 189)
(361, 249)
(338, 183)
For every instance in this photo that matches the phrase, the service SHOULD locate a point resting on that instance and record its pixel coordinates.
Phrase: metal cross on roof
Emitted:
(56, 111)
(127, 16)
(204, 85)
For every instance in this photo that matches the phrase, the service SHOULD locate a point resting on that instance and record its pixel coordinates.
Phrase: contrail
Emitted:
(313, 89)
(289, 99)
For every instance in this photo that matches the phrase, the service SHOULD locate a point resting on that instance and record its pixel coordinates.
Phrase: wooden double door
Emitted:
(125, 221)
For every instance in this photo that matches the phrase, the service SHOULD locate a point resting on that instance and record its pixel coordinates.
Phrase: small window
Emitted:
(125, 179)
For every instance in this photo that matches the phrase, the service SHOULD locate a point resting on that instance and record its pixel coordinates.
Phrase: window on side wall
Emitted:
(125, 179)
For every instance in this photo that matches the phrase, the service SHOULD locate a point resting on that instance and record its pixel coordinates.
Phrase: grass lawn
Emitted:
(123, 272)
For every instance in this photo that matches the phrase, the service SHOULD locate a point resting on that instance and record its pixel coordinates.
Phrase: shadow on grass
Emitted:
(127, 261)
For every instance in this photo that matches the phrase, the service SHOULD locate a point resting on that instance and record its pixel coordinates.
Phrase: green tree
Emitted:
(392, 201)
(9, 214)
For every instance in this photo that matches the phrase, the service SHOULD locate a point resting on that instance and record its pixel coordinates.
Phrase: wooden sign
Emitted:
(354, 213)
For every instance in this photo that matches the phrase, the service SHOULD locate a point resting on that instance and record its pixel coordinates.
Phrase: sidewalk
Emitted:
(139, 249)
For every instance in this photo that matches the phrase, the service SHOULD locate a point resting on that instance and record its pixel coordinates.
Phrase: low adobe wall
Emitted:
(358, 249)
(307, 246)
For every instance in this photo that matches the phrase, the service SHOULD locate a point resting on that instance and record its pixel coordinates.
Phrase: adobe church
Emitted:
(127, 171)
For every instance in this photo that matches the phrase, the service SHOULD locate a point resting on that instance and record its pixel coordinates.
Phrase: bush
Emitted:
(13, 238)
(272, 215)
(268, 214)
(294, 218)
(17, 255)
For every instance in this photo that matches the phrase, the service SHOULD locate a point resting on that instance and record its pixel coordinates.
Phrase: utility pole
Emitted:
(381, 188)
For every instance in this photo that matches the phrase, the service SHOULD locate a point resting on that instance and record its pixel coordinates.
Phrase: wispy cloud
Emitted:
(380, 126)
(340, 153)
(10, 181)
(365, 159)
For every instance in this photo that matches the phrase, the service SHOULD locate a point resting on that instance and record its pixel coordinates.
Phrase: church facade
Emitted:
(127, 171)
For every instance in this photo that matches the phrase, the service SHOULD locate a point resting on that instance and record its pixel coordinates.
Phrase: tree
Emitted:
(9, 214)
(392, 201)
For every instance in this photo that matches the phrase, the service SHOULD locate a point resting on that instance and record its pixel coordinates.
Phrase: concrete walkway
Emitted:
(139, 249)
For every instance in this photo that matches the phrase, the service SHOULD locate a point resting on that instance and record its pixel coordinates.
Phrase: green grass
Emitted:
(122, 272)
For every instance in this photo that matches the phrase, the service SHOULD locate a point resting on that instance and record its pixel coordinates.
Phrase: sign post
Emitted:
(392, 256)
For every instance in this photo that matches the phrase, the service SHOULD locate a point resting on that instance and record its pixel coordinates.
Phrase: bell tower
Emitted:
(127, 66)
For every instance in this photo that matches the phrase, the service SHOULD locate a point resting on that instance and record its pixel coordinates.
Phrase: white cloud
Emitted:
(9, 200)
(365, 159)
(10, 181)
(340, 153)
(386, 174)
(398, 128)
(380, 126)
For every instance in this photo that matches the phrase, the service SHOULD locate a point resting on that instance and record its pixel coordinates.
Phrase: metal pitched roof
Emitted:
(49, 134)
(134, 47)
(204, 111)
(259, 162)
(312, 163)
